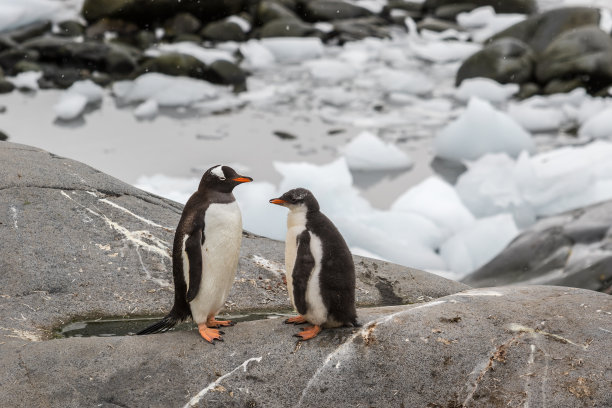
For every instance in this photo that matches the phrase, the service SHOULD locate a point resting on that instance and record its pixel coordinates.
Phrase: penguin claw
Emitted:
(209, 334)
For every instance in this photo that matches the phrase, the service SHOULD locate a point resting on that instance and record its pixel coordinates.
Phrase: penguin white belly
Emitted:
(220, 253)
(316, 310)
(296, 223)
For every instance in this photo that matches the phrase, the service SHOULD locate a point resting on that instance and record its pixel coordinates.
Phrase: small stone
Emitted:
(182, 23)
(70, 28)
(223, 31)
(6, 86)
(3, 136)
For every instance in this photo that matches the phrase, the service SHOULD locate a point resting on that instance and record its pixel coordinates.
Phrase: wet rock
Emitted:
(505, 6)
(286, 27)
(182, 23)
(562, 86)
(3, 136)
(195, 38)
(6, 43)
(223, 31)
(584, 53)
(438, 25)
(175, 64)
(58, 77)
(71, 28)
(9, 58)
(144, 39)
(411, 6)
(144, 13)
(121, 28)
(329, 10)
(29, 31)
(6, 86)
(506, 60)
(25, 66)
(268, 11)
(540, 30)
(574, 249)
(451, 11)
(225, 73)
(360, 28)
(528, 89)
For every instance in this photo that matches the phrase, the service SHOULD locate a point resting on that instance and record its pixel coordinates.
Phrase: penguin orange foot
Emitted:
(310, 332)
(212, 322)
(209, 334)
(299, 319)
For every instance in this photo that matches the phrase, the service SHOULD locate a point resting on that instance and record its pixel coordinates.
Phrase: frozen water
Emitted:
(481, 129)
(486, 89)
(26, 80)
(70, 106)
(256, 56)
(330, 71)
(147, 110)
(206, 55)
(243, 23)
(294, 49)
(165, 90)
(479, 17)
(598, 126)
(484, 22)
(17, 13)
(536, 118)
(368, 152)
(391, 80)
(444, 51)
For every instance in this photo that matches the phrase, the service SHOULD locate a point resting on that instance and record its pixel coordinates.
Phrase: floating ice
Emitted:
(486, 89)
(391, 80)
(26, 80)
(17, 13)
(165, 90)
(70, 106)
(480, 130)
(483, 22)
(368, 152)
(536, 118)
(206, 55)
(479, 17)
(147, 110)
(444, 51)
(256, 56)
(330, 71)
(294, 49)
(598, 126)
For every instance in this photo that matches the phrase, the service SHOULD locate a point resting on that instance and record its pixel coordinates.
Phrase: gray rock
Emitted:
(286, 27)
(175, 64)
(412, 6)
(121, 28)
(450, 11)
(226, 73)
(268, 11)
(505, 60)
(6, 86)
(29, 31)
(71, 28)
(3, 136)
(540, 30)
(584, 53)
(505, 6)
(360, 28)
(9, 58)
(145, 11)
(6, 43)
(562, 86)
(528, 89)
(329, 10)
(438, 25)
(182, 23)
(25, 66)
(223, 31)
(574, 249)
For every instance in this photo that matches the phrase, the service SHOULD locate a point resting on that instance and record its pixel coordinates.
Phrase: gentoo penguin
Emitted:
(320, 269)
(205, 253)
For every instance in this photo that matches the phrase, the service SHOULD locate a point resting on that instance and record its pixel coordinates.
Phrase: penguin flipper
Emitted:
(193, 247)
(304, 264)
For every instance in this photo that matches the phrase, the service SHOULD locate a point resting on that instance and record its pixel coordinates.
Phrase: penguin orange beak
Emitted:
(243, 179)
(277, 201)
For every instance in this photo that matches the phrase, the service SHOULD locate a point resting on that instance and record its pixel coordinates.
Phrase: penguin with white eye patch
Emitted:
(205, 253)
(320, 269)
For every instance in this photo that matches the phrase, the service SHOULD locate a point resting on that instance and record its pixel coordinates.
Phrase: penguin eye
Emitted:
(221, 178)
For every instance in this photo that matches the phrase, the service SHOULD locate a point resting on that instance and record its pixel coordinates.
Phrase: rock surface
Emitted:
(84, 244)
(574, 249)
(505, 6)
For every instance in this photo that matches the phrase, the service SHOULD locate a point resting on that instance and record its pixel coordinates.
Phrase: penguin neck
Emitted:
(297, 217)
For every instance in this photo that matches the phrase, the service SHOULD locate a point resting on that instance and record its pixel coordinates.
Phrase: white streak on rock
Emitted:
(478, 292)
(605, 330)
(14, 213)
(196, 399)
(137, 237)
(517, 328)
(160, 282)
(138, 217)
(274, 267)
(22, 334)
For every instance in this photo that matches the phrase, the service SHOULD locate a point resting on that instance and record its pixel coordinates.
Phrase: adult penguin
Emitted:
(205, 254)
(319, 265)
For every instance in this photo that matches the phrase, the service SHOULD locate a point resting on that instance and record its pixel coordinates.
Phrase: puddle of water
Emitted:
(128, 327)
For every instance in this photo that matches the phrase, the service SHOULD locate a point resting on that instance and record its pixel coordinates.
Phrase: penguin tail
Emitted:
(163, 325)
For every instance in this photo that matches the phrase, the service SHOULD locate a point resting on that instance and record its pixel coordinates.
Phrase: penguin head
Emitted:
(222, 179)
(298, 199)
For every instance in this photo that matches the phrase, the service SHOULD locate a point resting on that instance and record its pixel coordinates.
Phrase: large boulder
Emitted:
(574, 249)
(506, 60)
(147, 11)
(584, 53)
(505, 6)
(84, 244)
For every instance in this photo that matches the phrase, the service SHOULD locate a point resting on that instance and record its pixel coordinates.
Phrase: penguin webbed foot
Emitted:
(299, 319)
(309, 332)
(212, 322)
(209, 334)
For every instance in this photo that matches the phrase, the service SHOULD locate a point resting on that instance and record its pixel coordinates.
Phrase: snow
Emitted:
(147, 110)
(444, 51)
(165, 90)
(75, 99)
(368, 152)
(605, 20)
(256, 56)
(536, 118)
(484, 22)
(26, 80)
(243, 23)
(17, 13)
(481, 129)
(391, 80)
(206, 55)
(486, 89)
(289, 50)
(598, 126)
(330, 71)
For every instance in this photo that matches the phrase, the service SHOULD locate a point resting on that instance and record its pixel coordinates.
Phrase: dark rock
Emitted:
(360, 28)
(9, 58)
(223, 31)
(144, 12)
(451, 11)
(540, 30)
(286, 27)
(6, 86)
(330, 10)
(195, 38)
(71, 28)
(59, 77)
(182, 23)
(438, 25)
(6, 43)
(567, 250)
(29, 31)
(562, 86)
(121, 28)
(175, 64)
(25, 66)
(584, 53)
(225, 73)
(527, 90)
(505, 6)
(506, 60)
(52, 48)
(412, 6)
(102, 79)
(268, 11)
(144, 39)
(3, 136)
(120, 60)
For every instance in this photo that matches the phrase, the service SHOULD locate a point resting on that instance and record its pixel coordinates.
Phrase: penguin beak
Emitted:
(277, 201)
(242, 179)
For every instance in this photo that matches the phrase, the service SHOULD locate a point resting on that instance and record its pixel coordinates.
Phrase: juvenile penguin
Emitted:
(320, 269)
(205, 253)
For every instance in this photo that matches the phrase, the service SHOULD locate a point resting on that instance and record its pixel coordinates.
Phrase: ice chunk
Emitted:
(17, 13)
(438, 201)
(147, 110)
(486, 89)
(470, 249)
(88, 89)
(294, 49)
(70, 106)
(26, 80)
(598, 126)
(330, 71)
(479, 17)
(444, 51)
(536, 118)
(368, 152)
(484, 22)
(479, 130)
(390, 80)
(206, 55)
(165, 90)
(256, 56)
